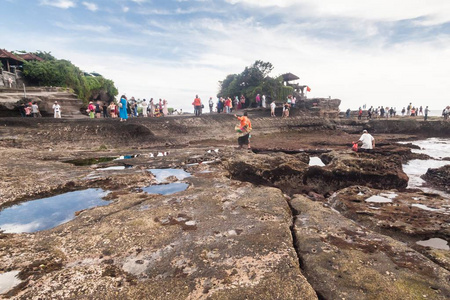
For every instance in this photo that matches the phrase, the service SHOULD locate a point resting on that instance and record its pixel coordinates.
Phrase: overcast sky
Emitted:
(373, 52)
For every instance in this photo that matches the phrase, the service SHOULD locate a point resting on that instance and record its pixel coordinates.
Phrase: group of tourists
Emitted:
(221, 105)
(31, 109)
(229, 105)
(125, 108)
(390, 112)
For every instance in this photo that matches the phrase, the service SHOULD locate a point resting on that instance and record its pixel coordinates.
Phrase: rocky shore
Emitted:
(261, 224)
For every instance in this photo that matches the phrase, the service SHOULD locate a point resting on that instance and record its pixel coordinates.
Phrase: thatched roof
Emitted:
(289, 77)
(8, 55)
(30, 57)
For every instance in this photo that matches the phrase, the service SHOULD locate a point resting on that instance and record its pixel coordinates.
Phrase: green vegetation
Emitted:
(62, 73)
(252, 81)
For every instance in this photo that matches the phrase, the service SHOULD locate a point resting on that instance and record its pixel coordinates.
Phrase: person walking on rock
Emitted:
(425, 117)
(244, 129)
(56, 110)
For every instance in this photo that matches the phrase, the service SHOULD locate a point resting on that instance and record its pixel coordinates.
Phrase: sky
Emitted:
(372, 52)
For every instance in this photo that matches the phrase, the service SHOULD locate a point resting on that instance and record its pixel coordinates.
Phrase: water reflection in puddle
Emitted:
(41, 214)
(127, 156)
(8, 280)
(114, 168)
(424, 207)
(162, 174)
(378, 199)
(166, 189)
(316, 161)
(435, 243)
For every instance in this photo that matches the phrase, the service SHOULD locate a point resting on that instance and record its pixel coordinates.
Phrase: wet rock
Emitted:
(347, 169)
(277, 169)
(342, 259)
(438, 178)
(252, 257)
(408, 216)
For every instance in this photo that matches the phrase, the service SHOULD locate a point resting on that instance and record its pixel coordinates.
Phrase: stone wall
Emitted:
(5, 77)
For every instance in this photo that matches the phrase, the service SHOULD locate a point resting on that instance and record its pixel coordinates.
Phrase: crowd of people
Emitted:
(228, 105)
(390, 112)
(221, 105)
(128, 108)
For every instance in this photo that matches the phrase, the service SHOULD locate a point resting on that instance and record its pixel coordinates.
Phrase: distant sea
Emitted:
(434, 113)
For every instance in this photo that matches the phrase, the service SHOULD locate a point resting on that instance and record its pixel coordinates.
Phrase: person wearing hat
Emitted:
(57, 110)
(367, 140)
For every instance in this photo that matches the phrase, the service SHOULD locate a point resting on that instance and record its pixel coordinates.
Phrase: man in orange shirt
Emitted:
(244, 129)
(197, 106)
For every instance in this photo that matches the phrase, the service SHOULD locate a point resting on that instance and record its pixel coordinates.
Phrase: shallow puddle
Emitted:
(378, 199)
(8, 280)
(162, 174)
(114, 168)
(90, 161)
(424, 207)
(166, 189)
(435, 243)
(126, 156)
(46, 213)
(316, 161)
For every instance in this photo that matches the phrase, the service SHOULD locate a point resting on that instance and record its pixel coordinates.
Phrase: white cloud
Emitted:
(359, 67)
(125, 9)
(90, 6)
(19, 228)
(64, 4)
(434, 11)
(81, 27)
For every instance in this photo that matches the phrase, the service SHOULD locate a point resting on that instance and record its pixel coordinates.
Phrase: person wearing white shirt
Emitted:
(57, 110)
(272, 109)
(367, 140)
(144, 106)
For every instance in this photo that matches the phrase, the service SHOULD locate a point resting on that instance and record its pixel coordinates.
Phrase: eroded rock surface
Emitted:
(292, 173)
(220, 239)
(408, 216)
(439, 178)
(342, 259)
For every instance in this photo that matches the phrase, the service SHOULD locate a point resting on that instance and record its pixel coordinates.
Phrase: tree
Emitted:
(62, 73)
(253, 80)
(44, 55)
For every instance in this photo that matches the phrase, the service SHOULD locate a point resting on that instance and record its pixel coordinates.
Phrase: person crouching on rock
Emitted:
(367, 140)
(244, 129)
